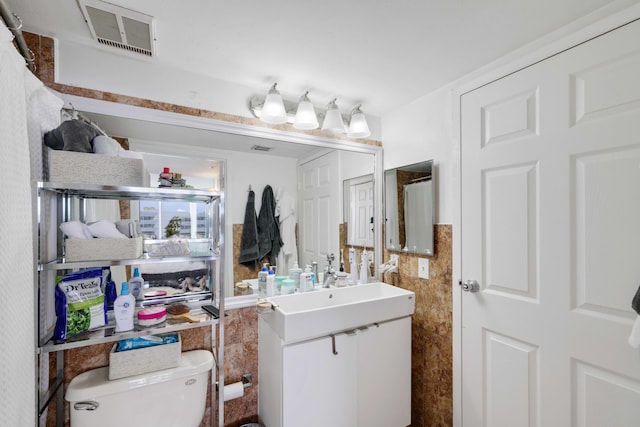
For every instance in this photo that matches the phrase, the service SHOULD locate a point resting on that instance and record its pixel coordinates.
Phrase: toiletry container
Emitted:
(262, 281)
(123, 309)
(136, 285)
(306, 280)
(364, 268)
(353, 269)
(271, 283)
(288, 287)
(294, 274)
(167, 398)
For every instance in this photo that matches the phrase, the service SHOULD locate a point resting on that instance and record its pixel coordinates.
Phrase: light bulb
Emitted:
(306, 115)
(273, 109)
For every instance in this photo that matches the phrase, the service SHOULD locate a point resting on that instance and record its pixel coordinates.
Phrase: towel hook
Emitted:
(249, 189)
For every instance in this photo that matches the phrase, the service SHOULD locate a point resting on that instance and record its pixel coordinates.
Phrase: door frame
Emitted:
(580, 31)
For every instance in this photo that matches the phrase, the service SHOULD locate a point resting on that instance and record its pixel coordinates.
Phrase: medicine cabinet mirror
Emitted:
(166, 133)
(409, 204)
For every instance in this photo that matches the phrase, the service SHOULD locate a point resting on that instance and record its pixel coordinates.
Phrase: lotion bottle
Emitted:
(136, 285)
(271, 283)
(123, 309)
(262, 281)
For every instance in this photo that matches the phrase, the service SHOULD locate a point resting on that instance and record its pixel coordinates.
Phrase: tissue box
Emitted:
(143, 360)
(70, 167)
(102, 249)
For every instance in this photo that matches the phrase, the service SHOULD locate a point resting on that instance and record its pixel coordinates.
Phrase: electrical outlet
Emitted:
(423, 268)
(395, 261)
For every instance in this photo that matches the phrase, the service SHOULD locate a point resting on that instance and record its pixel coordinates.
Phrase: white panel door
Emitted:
(363, 209)
(550, 227)
(319, 197)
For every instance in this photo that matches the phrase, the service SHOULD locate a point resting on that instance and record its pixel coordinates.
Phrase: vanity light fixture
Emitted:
(333, 122)
(273, 108)
(358, 127)
(306, 114)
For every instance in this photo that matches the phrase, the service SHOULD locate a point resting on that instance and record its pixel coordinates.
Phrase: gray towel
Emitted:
(249, 240)
(72, 135)
(269, 240)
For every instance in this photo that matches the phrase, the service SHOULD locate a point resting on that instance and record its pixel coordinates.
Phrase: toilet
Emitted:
(173, 397)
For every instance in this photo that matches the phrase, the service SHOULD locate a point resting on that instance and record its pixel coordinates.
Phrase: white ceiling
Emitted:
(381, 53)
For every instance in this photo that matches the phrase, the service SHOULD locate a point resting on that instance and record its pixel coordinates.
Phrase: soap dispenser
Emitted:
(364, 268)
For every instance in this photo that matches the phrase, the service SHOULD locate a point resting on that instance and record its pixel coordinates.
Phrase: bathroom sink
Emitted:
(323, 312)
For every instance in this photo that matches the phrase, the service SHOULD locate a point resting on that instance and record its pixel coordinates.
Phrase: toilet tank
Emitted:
(170, 398)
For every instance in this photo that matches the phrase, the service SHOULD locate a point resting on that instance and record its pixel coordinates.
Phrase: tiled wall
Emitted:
(432, 352)
(432, 321)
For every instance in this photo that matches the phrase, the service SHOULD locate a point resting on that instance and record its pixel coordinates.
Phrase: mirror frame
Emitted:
(97, 106)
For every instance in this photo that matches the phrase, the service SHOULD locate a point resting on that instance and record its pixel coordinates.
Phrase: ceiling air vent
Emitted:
(118, 27)
(260, 148)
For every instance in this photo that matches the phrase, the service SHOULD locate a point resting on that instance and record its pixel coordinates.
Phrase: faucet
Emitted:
(329, 273)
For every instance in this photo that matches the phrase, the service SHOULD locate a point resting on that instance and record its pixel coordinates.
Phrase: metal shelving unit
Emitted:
(61, 202)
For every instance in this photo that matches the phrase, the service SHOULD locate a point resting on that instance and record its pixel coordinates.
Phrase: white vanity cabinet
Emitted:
(361, 377)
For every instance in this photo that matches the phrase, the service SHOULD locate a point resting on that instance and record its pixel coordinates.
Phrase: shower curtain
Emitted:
(26, 112)
(417, 215)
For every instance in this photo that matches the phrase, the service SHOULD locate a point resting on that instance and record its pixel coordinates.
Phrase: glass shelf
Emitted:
(111, 192)
(61, 264)
(108, 334)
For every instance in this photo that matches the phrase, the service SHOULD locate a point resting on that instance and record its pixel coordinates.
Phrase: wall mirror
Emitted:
(409, 208)
(293, 161)
(359, 210)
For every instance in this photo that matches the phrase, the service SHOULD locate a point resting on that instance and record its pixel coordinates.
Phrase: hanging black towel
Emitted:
(249, 241)
(269, 240)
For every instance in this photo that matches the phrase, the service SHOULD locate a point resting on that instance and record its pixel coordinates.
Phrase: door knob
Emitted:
(470, 286)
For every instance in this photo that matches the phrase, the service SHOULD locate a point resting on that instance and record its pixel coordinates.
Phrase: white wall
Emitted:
(423, 130)
(85, 66)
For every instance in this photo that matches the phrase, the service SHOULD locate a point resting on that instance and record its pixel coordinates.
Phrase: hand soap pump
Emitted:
(364, 268)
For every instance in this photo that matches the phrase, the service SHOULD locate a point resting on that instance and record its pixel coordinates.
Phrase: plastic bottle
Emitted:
(262, 281)
(123, 309)
(271, 283)
(353, 267)
(294, 274)
(110, 293)
(364, 268)
(136, 285)
(306, 280)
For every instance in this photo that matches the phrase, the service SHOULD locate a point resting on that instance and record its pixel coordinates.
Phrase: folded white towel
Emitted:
(634, 338)
(105, 229)
(76, 230)
(105, 145)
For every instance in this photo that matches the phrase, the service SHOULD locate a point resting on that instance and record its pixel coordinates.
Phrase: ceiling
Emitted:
(384, 54)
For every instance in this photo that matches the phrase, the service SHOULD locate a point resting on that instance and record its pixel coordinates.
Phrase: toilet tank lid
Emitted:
(95, 383)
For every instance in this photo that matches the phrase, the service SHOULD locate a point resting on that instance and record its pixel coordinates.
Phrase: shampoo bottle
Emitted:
(271, 283)
(294, 274)
(123, 309)
(262, 281)
(136, 285)
(364, 268)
